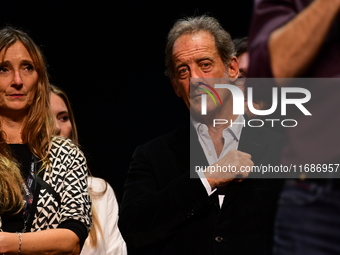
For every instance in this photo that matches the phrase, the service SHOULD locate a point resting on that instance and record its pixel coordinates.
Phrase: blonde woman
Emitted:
(104, 237)
(45, 203)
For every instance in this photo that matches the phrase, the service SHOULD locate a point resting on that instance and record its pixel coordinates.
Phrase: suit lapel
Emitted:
(250, 142)
(179, 145)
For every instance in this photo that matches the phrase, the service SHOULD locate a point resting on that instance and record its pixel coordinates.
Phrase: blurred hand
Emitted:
(234, 166)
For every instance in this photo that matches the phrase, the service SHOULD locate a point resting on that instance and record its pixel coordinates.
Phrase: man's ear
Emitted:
(233, 71)
(176, 88)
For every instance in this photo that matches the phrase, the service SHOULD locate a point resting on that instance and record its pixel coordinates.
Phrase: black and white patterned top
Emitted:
(67, 175)
(61, 198)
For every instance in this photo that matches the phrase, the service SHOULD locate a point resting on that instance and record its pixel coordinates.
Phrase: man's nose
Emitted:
(196, 77)
(195, 72)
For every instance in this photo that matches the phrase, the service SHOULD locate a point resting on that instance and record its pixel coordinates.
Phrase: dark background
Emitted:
(109, 58)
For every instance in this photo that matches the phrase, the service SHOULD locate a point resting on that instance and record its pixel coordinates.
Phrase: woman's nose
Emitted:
(57, 129)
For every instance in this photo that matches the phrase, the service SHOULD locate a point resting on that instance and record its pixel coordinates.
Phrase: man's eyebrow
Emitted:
(205, 58)
(180, 64)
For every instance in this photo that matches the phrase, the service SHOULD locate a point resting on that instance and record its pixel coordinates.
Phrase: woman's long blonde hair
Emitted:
(74, 137)
(10, 195)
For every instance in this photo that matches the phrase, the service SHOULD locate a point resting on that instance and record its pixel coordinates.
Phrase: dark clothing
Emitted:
(307, 220)
(164, 211)
(269, 15)
(15, 223)
(315, 139)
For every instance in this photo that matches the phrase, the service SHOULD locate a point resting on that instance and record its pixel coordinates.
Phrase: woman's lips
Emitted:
(16, 95)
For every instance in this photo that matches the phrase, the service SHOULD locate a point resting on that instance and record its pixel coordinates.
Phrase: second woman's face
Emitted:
(60, 112)
(18, 79)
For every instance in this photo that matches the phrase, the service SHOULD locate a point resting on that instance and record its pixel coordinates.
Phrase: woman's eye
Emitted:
(63, 118)
(3, 69)
(28, 67)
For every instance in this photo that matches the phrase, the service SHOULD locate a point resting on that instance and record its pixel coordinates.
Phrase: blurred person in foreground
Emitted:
(301, 39)
(104, 237)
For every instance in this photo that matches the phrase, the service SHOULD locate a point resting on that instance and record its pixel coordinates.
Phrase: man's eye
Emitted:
(183, 71)
(205, 66)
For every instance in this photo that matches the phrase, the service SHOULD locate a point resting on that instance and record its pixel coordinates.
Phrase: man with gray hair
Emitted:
(170, 208)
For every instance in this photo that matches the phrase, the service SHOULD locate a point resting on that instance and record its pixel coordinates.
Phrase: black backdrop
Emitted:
(109, 58)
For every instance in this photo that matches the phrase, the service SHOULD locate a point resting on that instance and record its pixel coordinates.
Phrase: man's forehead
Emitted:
(194, 37)
(194, 43)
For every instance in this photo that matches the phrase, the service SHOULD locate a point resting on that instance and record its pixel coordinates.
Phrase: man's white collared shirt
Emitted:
(231, 136)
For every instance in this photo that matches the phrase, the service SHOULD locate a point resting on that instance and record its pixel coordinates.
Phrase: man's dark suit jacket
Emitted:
(164, 211)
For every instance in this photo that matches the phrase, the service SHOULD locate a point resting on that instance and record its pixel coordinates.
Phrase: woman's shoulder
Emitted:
(97, 184)
(63, 145)
(99, 187)
(58, 141)
(65, 151)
